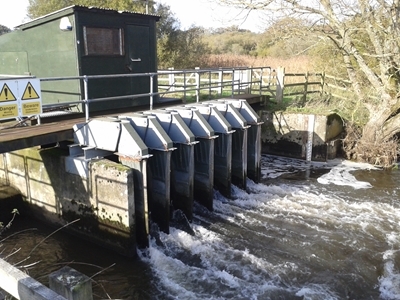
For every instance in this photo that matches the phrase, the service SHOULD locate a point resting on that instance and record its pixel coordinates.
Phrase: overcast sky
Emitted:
(190, 12)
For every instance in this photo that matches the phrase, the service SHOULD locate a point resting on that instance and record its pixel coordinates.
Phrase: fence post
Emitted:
(305, 87)
(151, 91)
(71, 284)
(86, 92)
(322, 83)
(221, 81)
(184, 86)
(197, 76)
(209, 84)
(261, 80)
(240, 81)
(233, 82)
(171, 79)
(280, 84)
(250, 75)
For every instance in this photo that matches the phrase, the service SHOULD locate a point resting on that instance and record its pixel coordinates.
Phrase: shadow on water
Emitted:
(114, 276)
(276, 168)
(305, 174)
(379, 179)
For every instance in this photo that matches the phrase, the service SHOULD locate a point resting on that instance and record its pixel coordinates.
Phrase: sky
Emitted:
(209, 15)
(189, 12)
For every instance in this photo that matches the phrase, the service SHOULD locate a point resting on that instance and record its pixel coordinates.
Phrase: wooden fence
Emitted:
(305, 84)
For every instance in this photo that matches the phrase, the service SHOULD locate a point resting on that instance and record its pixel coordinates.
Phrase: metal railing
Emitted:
(178, 82)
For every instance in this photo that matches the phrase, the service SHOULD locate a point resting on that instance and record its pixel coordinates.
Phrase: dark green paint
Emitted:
(40, 48)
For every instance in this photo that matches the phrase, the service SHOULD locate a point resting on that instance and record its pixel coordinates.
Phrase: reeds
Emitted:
(296, 64)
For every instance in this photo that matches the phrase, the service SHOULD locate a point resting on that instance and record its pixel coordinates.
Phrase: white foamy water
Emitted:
(309, 231)
(389, 282)
(312, 231)
(341, 175)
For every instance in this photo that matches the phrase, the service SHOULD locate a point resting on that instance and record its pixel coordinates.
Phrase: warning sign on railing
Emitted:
(6, 94)
(19, 97)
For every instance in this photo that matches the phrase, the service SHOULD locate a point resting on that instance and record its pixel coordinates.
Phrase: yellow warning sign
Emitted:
(31, 108)
(30, 93)
(6, 94)
(8, 111)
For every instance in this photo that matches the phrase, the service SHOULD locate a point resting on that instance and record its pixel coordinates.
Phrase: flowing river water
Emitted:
(308, 231)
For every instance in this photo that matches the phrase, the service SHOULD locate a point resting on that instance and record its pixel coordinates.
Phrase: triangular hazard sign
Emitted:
(6, 94)
(30, 93)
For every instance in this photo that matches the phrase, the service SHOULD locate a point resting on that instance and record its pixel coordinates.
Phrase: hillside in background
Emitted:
(288, 43)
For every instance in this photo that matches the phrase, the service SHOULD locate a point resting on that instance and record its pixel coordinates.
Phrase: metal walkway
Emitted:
(61, 129)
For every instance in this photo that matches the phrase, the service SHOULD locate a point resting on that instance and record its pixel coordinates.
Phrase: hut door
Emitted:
(139, 57)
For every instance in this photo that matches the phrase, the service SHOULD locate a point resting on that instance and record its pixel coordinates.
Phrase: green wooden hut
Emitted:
(77, 41)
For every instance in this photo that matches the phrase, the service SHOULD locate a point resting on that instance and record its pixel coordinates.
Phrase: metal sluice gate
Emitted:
(179, 154)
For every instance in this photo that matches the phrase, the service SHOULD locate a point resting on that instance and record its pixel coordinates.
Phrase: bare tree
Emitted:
(367, 35)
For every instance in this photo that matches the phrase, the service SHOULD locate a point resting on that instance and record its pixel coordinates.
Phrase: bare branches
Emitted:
(54, 232)
(382, 154)
(354, 26)
(14, 212)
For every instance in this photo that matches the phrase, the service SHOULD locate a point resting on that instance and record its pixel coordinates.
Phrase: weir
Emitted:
(192, 148)
(203, 154)
(239, 140)
(182, 164)
(223, 147)
(158, 173)
(169, 157)
(105, 136)
(253, 137)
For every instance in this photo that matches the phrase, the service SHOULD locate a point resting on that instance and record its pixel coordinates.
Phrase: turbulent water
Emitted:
(308, 231)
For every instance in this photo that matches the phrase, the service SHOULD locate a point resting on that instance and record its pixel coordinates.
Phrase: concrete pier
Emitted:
(106, 136)
(159, 167)
(223, 147)
(103, 202)
(303, 136)
(140, 190)
(203, 154)
(182, 164)
(239, 140)
(253, 138)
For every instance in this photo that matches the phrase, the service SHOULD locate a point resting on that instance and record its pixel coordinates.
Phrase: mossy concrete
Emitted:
(103, 202)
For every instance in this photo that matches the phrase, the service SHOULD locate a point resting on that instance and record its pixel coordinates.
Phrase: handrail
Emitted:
(236, 84)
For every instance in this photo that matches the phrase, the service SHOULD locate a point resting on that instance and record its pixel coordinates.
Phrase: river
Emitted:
(307, 231)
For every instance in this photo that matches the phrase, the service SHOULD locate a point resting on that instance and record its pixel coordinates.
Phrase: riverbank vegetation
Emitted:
(359, 43)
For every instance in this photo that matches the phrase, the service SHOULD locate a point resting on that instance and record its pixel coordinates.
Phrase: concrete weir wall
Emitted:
(103, 202)
(120, 174)
(303, 136)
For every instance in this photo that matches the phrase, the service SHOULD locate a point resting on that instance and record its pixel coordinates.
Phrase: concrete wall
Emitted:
(288, 134)
(102, 197)
(103, 202)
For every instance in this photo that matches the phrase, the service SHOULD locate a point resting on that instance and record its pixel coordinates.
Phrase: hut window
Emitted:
(103, 41)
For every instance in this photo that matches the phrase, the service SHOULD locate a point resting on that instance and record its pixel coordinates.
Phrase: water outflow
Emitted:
(308, 231)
